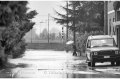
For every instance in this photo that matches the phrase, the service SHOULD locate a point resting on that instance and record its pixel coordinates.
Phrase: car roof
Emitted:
(99, 37)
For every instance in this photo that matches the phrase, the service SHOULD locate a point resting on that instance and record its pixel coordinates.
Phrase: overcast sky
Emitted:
(43, 8)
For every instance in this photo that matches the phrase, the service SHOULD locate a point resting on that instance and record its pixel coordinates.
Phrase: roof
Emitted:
(100, 36)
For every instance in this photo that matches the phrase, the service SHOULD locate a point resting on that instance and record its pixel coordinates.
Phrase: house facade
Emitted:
(113, 19)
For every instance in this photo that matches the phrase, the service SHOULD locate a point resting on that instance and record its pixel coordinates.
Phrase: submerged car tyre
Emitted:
(89, 63)
(93, 64)
(117, 63)
(112, 63)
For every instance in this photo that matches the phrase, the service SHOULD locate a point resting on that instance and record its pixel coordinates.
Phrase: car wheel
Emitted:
(117, 63)
(93, 64)
(89, 63)
(112, 63)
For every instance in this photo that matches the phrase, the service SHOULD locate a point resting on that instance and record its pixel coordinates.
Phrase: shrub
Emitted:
(19, 49)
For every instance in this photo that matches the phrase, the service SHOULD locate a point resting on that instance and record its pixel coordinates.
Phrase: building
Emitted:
(112, 19)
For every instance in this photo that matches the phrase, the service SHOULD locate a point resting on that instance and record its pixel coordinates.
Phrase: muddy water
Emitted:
(57, 64)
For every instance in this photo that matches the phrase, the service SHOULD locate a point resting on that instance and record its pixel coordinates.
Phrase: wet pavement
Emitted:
(57, 64)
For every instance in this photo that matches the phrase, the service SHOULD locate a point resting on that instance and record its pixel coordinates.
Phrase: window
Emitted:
(113, 19)
(118, 15)
(107, 42)
(109, 26)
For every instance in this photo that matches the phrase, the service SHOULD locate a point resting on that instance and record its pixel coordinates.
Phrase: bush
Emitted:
(82, 38)
(19, 49)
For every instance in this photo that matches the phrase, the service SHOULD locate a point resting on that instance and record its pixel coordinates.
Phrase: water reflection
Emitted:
(52, 64)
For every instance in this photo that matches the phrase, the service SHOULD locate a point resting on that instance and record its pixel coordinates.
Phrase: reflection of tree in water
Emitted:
(72, 75)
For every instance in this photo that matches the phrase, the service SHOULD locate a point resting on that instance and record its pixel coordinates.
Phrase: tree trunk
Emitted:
(3, 57)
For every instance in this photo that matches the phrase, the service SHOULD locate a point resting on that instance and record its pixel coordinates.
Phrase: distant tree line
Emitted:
(52, 36)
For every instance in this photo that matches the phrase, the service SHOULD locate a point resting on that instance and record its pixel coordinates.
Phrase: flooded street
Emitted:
(59, 39)
(57, 64)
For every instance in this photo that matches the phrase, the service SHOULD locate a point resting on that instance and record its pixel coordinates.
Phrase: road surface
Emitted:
(57, 64)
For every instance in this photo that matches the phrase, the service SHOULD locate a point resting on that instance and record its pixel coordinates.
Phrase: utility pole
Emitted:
(48, 27)
(62, 34)
(31, 35)
(74, 31)
(105, 18)
(67, 23)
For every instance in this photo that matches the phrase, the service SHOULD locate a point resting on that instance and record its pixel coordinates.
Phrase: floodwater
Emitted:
(56, 64)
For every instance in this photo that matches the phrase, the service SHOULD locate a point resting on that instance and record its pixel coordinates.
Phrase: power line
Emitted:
(74, 32)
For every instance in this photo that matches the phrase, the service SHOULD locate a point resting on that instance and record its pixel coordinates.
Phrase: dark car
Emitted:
(102, 48)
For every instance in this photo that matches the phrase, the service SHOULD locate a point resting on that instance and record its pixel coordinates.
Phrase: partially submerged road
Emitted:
(57, 64)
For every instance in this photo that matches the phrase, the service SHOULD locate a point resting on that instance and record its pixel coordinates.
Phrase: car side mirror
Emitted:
(88, 44)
